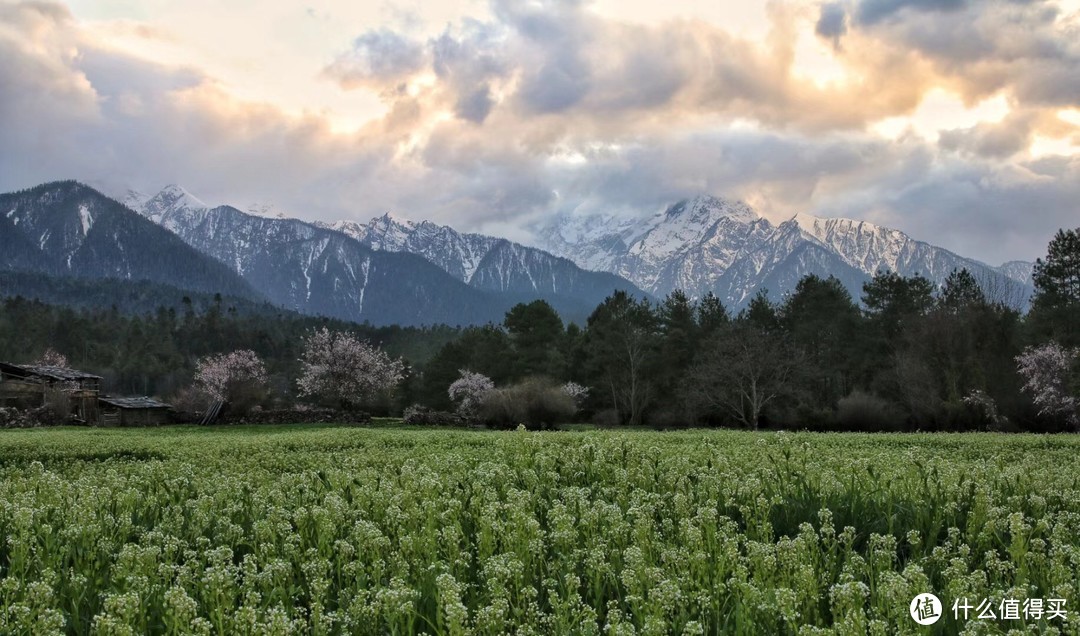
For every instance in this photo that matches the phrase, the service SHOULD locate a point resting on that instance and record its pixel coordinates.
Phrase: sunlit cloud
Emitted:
(934, 116)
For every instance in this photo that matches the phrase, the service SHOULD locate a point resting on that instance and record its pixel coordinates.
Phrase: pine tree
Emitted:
(1055, 312)
(961, 290)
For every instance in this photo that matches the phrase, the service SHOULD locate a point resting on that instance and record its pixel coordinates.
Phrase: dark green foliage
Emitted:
(485, 350)
(826, 324)
(535, 333)
(711, 314)
(155, 353)
(891, 298)
(1055, 311)
(960, 291)
(1057, 278)
(621, 344)
(762, 313)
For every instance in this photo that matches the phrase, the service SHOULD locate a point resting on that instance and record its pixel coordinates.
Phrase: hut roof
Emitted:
(134, 402)
(53, 373)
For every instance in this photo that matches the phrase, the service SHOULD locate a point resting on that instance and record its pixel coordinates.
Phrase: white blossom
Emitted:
(52, 358)
(470, 389)
(1046, 370)
(338, 366)
(222, 375)
(576, 391)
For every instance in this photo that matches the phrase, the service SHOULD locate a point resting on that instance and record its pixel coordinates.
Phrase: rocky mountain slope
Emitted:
(486, 262)
(71, 230)
(709, 244)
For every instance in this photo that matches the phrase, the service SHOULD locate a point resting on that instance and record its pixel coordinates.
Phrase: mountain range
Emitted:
(709, 244)
(67, 229)
(391, 270)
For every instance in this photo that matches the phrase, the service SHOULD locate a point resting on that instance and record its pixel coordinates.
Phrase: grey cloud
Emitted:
(993, 140)
(558, 84)
(378, 56)
(873, 11)
(467, 63)
(975, 208)
(475, 106)
(1021, 47)
(832, 21)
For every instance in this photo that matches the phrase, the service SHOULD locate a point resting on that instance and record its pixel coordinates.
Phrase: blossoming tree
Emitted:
(1047, 371)
(238, 378)
(338, 367)
(469, 391)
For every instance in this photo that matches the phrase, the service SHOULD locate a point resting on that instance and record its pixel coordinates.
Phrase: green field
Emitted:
(395, 531)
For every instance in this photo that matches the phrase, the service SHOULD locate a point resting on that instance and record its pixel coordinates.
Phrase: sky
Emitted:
(955, 121)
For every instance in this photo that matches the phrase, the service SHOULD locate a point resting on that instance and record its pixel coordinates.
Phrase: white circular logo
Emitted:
(926, 609)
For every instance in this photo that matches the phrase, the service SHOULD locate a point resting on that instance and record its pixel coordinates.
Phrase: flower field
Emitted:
(392, 531)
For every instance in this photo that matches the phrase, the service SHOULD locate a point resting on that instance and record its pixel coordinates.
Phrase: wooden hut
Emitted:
(133, 411)
(29, 386)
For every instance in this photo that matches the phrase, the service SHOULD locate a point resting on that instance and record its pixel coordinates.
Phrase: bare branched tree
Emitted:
(742, 371)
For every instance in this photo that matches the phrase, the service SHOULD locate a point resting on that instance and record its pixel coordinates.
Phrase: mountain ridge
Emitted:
(726, 248)
(66, 228)
(327, 268)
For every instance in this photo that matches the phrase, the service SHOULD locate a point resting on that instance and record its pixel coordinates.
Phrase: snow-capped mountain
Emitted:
(155, 207)
(316, 270)
(487, 262)
(71, 230)
(388, 271)
(708, 244)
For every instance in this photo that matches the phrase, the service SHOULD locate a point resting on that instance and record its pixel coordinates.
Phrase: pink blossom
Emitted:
(338, 366)
(219, 376)
(470, 389)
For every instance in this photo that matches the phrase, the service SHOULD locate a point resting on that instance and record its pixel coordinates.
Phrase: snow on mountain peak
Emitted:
(704, 208)
(179, 195)
(688, 223)
(134, 199)
(809, 223)
(392, 217)
(170, 199)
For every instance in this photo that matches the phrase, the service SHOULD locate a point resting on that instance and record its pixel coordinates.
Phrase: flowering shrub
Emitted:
(52, 358)
(238, 378)
(576, 392)
(469, 391)
(1047, 370)
(344, 370)
(535, 402)
(986, 408)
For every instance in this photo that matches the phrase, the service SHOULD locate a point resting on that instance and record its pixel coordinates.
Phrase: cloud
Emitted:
(873, 11)
(547, 107)
(832, 22)
(1026, 49)
(999, 140)
(377, 58)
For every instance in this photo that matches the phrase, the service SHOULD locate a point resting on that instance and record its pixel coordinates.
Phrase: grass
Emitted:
(391, 530)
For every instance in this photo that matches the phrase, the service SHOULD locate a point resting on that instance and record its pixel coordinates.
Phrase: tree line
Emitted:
(907, 355)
